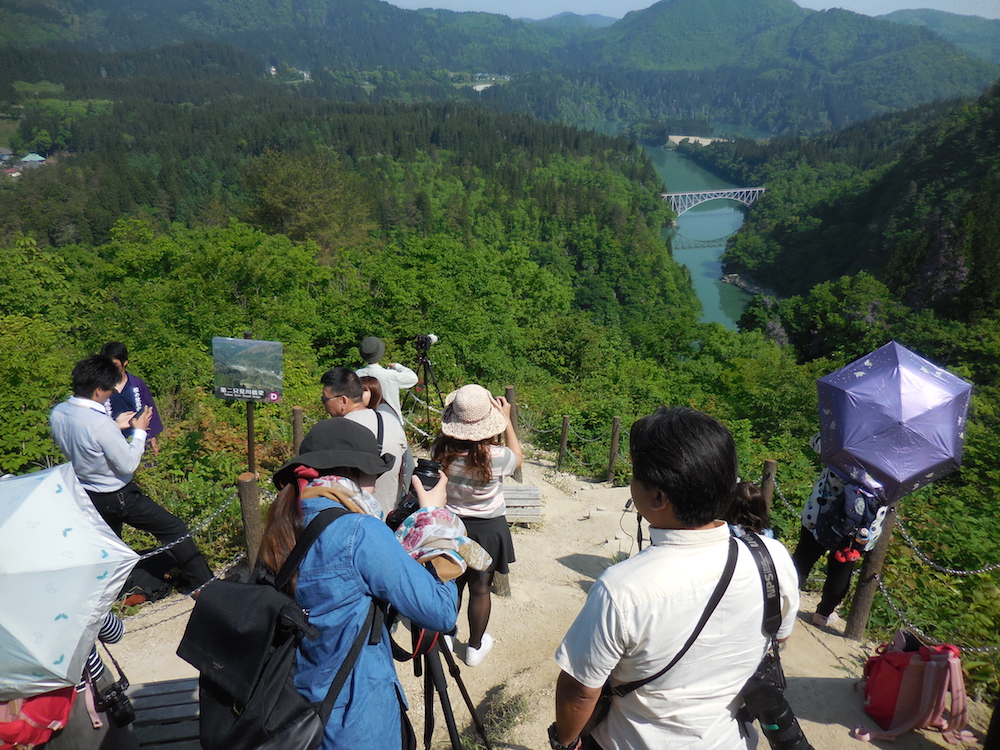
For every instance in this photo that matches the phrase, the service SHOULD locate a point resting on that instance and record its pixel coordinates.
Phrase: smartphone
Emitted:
(142, 410)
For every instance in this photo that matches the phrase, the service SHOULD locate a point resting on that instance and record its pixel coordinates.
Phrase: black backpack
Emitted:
(850, 511)
(242, 638)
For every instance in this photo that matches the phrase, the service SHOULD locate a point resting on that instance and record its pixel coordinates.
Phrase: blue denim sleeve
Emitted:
(392, 575)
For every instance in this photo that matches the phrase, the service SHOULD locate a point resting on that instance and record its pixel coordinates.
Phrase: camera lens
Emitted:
(427, 472)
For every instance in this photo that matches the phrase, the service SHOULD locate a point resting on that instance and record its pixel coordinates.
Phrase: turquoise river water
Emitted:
(714, 222)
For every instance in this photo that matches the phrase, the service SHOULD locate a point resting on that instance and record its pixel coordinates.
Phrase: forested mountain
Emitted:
(591, 20)
(763, 63)
(977, 36)
(917, 209)
(190, 196)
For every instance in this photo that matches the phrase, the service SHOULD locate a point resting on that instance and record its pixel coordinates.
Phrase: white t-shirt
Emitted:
(639, 614)
(387, 486)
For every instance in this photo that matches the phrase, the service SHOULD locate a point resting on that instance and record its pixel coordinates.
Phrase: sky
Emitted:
(618, 8)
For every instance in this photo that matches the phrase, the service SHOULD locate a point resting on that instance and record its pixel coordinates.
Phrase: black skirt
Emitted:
(494, 535)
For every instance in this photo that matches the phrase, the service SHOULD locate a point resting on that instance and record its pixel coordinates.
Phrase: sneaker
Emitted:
(449, 641)
(475, 656)
(828, 621)
(134, 600)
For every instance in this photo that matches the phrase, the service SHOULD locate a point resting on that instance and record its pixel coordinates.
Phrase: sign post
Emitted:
(251, 371)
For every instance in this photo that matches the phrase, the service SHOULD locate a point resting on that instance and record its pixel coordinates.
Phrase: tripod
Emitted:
(427, 662)
(426, 376)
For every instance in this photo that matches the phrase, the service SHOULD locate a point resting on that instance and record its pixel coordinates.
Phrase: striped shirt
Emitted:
(470, 497)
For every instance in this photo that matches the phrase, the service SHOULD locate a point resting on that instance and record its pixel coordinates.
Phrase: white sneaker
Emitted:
(450, 642)
(832, 619)
(475, 656)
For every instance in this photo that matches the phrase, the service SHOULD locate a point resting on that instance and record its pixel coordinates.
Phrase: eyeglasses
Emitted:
(324, 399)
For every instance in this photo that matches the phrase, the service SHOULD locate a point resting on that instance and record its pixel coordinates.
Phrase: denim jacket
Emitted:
(357, 558)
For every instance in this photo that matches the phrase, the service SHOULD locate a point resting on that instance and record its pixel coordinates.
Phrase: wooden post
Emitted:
(500, 585)
(616, 427)
(297, 428)
(562, 442)
(511, 396)
(249, 494)
(864, 595)
(767, 481)
(251, 448)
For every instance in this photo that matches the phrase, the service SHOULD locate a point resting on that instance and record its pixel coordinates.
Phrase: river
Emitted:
(713, 222)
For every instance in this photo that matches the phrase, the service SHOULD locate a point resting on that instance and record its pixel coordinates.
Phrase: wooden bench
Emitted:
(524, 503)
(166, 714)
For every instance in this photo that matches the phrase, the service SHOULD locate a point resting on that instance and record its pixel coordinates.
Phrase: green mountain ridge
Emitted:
(766, 63)
(976, 35)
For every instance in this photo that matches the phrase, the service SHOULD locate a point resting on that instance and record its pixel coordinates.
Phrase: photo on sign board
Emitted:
(248, 370)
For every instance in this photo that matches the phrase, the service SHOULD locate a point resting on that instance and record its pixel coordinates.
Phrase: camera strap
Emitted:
(769, 581)
(713, 602)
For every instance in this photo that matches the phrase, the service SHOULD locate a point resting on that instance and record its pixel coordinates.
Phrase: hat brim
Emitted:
(363, 461)
(492, 424)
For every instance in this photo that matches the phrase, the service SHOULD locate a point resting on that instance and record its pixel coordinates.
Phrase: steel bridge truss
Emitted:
(682, 202)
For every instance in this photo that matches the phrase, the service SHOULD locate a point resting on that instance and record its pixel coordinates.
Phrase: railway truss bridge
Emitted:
(682, 202)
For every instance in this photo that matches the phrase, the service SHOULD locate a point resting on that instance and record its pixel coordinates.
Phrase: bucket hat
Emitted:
(372, 348)
(470, 413)
(334, 443)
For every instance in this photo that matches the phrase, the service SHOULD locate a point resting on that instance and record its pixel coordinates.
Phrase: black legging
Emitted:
(838, 574)
(479, 583)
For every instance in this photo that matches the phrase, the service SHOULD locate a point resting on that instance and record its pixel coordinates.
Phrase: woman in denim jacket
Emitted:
(355, 559)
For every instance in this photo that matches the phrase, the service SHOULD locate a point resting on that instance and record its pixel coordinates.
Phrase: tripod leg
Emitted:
(430, 377)
(453, 671)
(428, 704)
(436, 673)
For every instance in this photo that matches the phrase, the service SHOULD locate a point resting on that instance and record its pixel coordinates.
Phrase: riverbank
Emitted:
(749, 285)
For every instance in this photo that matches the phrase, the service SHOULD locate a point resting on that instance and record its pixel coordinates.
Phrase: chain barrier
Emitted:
(582, 463)
(424, 403)
(940, 568)
(582, 439)
(929, 638)
(781, 496)
(413, 426)
(175, 542)
(181, 600)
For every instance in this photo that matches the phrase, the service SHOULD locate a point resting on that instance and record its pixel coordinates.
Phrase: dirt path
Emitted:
(583, 526)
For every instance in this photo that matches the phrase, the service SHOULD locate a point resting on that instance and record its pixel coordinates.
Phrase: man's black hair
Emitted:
(690, 457)
(343, 381)
(92, 373)
(115, 350)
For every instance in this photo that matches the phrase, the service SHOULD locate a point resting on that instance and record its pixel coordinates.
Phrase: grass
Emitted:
(502, 711)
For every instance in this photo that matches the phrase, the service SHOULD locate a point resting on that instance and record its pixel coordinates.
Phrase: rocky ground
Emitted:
(583, 528)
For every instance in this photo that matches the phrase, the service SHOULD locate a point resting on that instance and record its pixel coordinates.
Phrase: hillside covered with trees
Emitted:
(768, 64)
(189, 195)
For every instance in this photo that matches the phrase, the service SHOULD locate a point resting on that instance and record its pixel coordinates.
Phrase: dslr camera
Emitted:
(114, 701)
(424, 342)
(427, 472)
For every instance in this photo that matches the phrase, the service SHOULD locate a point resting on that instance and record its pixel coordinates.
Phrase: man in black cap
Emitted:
(393, 378)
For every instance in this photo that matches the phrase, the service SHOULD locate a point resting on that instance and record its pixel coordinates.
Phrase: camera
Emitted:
(427, 473)
(425, 341)
(114, 701)
(765, 701)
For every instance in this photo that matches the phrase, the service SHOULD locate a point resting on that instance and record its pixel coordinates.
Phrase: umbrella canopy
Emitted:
(892, 421)
(61, 568)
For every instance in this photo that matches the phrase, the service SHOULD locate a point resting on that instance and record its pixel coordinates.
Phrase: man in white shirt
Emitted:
(640, 612)
(343, 397)
(104, 462)
(393, 378)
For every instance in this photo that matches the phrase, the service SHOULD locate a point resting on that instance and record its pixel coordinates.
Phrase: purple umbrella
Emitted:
(892, 421)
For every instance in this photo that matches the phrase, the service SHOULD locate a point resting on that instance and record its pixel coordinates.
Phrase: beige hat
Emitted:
(470, 413)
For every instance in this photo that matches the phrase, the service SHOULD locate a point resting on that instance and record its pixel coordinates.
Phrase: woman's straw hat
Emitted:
(471, 413)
